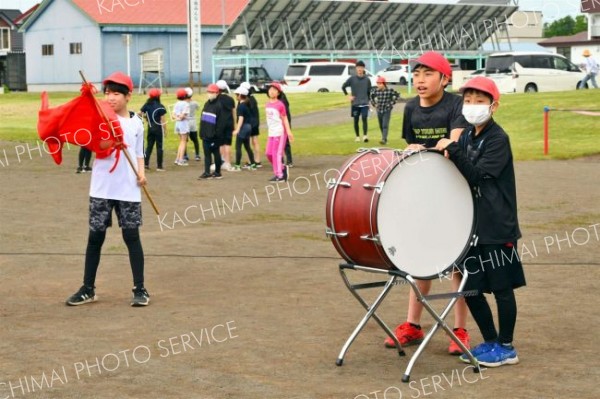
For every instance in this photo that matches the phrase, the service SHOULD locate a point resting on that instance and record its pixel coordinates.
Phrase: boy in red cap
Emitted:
(483, 155)
(117, 189)
(383, 99)
(432, 115)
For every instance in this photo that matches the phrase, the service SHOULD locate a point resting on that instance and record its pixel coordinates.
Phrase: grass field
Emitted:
(571, 134)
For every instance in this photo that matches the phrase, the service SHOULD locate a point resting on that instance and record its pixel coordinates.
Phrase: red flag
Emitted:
(80, 122)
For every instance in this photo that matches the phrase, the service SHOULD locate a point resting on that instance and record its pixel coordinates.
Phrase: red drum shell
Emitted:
(349, 206)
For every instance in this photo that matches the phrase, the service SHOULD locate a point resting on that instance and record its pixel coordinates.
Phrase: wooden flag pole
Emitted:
(124, 150)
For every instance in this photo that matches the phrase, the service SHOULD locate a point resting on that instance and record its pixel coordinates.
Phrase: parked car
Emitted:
(395, 73)
(321, 77)
(258, 77)
(518, 72)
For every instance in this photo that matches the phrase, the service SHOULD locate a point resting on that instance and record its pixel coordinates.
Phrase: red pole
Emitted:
(546, 129)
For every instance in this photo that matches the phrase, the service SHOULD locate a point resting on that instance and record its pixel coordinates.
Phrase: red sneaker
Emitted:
(463, 336)
(407, 334)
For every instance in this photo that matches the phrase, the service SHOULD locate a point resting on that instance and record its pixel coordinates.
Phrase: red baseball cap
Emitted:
(181, 93)
(433, 60)
(213, 88)
(277, 85)
(381, 79)
(154, 93)
(483, 84)
(120, 78)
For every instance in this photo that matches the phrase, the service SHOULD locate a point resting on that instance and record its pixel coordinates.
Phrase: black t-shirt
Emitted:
(486, 161)
(244, 110)
(254, 111)
(154, 110)
(427, 125)
(228, 105)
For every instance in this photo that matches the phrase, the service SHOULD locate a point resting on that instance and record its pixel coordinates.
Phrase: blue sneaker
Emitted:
(478, 350)
(498, 356)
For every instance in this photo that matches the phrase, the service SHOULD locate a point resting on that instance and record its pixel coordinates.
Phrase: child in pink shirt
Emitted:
(279, 131)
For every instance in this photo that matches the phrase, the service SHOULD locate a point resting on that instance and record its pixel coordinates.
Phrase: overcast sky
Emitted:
(552, 9)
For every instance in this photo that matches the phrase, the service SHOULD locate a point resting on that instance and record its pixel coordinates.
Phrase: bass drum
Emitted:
(411, 211)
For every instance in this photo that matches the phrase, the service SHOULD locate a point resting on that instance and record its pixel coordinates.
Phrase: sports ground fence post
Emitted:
(546, 129)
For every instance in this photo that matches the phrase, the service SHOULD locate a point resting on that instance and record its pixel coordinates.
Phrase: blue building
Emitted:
(65, 36)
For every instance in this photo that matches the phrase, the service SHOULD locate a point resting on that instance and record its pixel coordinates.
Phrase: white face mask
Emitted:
(212, 96)
(477, 114)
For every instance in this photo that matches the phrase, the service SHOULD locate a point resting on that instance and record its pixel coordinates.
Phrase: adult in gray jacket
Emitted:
(360, 86)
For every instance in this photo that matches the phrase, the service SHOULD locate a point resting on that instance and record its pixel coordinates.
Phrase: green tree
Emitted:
(581, 24)
(565, 26)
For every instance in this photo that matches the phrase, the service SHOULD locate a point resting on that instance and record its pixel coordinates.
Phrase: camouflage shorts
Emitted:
(129, 214)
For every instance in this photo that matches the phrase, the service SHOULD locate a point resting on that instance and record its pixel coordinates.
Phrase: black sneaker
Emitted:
(140, 297)
(79, 170)
(83, 296)
(258, 165)
(217, 176)
(87, 169)
(204, 176)
(275, 179)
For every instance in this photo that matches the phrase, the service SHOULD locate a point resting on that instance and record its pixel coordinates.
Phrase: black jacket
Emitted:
(212, 122)
(486, 161)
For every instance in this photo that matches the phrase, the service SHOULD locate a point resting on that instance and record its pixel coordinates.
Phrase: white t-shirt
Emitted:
(121, 184)
(180, 109)
(275, 111)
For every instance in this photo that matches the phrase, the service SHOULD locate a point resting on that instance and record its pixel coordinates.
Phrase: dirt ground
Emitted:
(247, 301)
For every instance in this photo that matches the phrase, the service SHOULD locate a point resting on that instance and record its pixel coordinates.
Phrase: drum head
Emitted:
(425, 215)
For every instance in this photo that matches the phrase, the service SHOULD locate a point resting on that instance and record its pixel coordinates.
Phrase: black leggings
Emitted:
(194, 137)
(247, 147)
(507, 315)
(155, 135)
(85, 156)
(94, 248)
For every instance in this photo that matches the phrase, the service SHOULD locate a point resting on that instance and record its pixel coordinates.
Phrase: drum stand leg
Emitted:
(439, 323)
(370, 312)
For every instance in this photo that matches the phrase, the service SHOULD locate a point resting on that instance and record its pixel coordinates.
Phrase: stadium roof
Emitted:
(308, 26)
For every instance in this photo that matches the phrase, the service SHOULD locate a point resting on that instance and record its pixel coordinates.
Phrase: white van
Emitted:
(530, 72)
(307, 77)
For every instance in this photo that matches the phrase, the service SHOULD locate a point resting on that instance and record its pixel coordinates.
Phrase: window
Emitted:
(542, 62)
(75, 48)
(47, 49)
(564, 51)
(327, 70)
(4, 39)
(561, 64)
(296, 70)
(500, 64)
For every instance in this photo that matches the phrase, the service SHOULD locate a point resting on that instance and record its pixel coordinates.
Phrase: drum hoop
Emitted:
(458, 262)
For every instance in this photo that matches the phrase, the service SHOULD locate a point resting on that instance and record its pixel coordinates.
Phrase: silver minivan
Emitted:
(530, 72)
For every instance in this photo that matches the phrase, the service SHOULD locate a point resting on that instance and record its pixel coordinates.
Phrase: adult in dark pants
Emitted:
(360, 85)
(154, 112)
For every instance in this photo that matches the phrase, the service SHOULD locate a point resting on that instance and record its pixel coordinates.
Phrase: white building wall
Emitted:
(61, 24)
